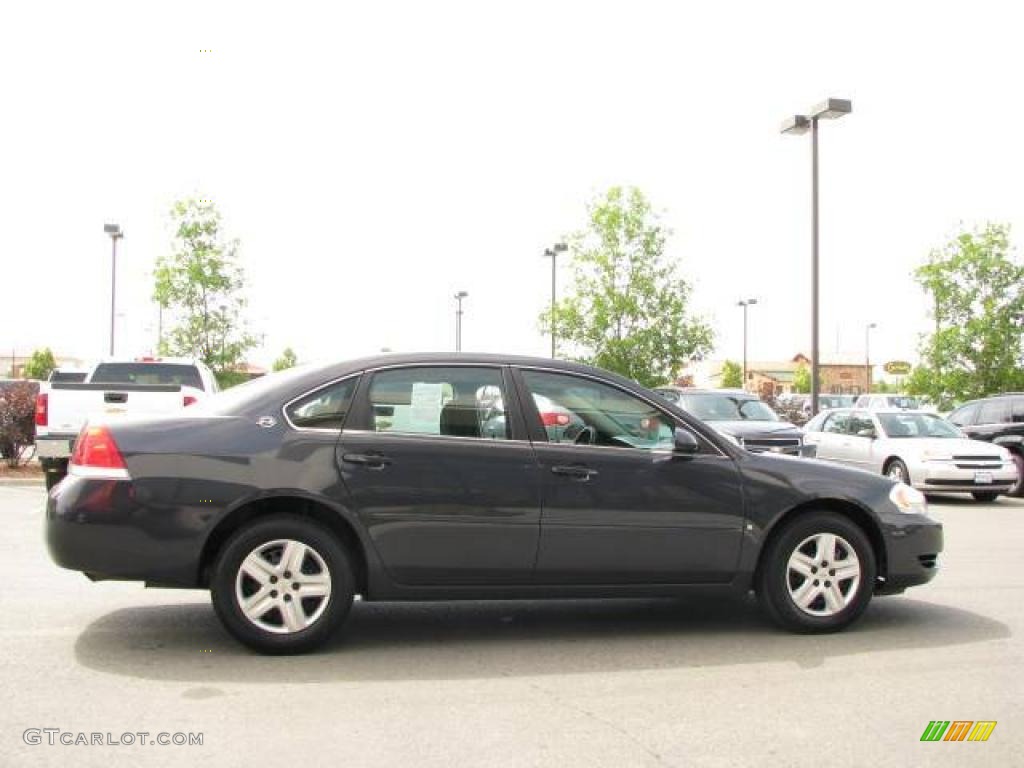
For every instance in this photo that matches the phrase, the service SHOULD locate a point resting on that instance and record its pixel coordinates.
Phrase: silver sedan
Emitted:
(913, 447)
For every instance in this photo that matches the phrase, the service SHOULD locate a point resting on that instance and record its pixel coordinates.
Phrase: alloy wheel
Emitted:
(283, 586)
(823, 574)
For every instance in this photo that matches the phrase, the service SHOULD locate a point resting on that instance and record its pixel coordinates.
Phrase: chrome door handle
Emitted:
(575, 472)
(371, 460)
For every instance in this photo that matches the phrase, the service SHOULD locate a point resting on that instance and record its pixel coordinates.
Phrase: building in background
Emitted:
(776, 377)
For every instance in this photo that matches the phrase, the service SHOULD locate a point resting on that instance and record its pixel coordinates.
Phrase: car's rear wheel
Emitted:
(282, 584)
(897, 470)
(1018, 489)
(817, 574)
(985, 495)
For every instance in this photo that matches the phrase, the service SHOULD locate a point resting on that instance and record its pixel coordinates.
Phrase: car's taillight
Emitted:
(555, 419)
(189, 400)
(42, 409)
(96, 455)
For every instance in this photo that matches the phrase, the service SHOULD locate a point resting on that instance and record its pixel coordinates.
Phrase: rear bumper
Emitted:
(914, 544)
(101, 528)
(55, 446)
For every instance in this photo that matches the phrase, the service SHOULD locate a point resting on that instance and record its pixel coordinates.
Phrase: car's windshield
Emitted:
(725, 407)
(916, 425)
(902, 401)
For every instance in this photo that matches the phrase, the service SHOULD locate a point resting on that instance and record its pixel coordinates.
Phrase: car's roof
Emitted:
(702, 391)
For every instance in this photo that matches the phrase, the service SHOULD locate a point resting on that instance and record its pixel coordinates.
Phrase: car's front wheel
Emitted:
(1018, 487)
(282, 584)
(817, 574)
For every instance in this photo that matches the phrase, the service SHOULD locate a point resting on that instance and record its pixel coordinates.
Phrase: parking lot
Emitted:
(626, 682)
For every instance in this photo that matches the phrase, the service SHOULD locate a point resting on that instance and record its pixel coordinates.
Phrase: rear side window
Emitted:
(994, 412)
(456, 402)
(151, 374)
(965, 416)
(324, 409)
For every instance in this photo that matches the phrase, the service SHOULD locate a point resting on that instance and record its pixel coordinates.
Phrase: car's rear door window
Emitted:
(450, 401)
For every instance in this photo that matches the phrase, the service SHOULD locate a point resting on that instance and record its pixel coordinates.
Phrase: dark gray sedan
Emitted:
(427, 477)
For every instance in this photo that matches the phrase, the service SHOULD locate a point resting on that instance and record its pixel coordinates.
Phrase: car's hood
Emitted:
(942, 445)
(755, 428)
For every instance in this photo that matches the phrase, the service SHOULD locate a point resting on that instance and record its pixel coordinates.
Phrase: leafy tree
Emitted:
(201, 284)
(40, 364)
(802, 379)
(286, 360)
(976, 283)
(732, 375)
(627, 310)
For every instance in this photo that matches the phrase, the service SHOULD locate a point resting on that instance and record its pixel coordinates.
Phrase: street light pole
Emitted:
(553, 252)
(867, 355)
(458, 320)
(745, 303)
(830, 109)
(114, 230)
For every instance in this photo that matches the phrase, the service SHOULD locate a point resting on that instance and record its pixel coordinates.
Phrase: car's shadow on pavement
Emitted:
(422, 641)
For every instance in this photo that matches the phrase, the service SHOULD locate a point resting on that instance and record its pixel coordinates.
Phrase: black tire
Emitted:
(1018, 489)
(985, 495)
(265, 531)
(896, 466)
(775, 579)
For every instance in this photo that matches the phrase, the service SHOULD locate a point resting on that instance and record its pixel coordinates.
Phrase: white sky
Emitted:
(375, 158)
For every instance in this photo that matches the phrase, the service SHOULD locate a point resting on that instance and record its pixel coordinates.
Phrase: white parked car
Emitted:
(913, 447)
(884, 402)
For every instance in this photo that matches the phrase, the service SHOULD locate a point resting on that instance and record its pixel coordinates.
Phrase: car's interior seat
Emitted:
(460, 419)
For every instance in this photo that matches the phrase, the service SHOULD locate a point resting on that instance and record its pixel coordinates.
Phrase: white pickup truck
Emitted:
(137, 387)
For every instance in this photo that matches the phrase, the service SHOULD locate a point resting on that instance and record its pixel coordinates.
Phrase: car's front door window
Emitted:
(576, 410)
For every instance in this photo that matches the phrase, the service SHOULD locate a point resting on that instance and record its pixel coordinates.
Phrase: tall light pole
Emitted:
(114, 230)
(458, 320)
(867, 354)
(829, 109)
(745, 303)
(552, 253)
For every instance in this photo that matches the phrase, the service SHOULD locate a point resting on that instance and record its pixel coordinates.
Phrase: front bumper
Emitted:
(913, 546)
(938, 476)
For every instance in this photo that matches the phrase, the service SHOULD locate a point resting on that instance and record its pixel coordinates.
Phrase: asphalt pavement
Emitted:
(590, 683)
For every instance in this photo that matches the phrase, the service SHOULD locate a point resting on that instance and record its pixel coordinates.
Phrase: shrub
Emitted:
(17, 420)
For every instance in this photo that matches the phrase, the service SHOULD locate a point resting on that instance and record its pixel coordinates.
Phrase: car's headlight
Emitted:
(927, 455)
(909, 500)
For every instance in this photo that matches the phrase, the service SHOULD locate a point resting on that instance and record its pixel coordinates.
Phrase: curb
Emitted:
(8, 482)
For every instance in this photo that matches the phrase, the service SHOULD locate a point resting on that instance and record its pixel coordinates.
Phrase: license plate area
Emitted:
(982, 478)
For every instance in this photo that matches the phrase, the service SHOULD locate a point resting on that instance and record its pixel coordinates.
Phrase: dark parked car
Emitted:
(999, 420)
(396, 478)
(740, 416)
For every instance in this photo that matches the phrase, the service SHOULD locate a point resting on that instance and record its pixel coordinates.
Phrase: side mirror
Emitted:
(867, 433)
(685, 442)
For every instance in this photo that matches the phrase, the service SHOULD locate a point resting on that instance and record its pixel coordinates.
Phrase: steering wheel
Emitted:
(586, 436)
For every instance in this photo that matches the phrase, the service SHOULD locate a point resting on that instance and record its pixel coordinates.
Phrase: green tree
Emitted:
(286, 360)
(40, 364)
(732, 375)
(802, 379)
(976, 286)
(201, 284)
(627, 309)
